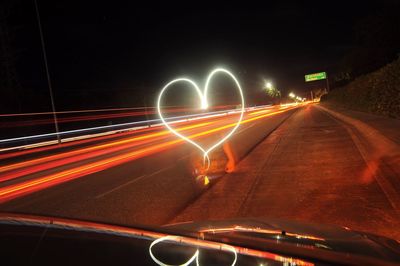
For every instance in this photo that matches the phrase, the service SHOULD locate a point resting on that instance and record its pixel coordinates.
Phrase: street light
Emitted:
(291, 95)
(269, 85)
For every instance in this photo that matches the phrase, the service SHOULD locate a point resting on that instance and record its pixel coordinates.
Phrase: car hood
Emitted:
(303, 241)
(289, 236)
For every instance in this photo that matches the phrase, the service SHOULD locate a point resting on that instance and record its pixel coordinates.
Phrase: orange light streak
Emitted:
(97, 147)
(27, 187)
(75, 143)
(258, 230)
(78, 142)
(35, 122)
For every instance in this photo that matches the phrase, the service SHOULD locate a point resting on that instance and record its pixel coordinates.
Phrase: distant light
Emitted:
(291, 95)
(269, 85)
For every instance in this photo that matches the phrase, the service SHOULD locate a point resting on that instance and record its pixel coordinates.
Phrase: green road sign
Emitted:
(315, 76)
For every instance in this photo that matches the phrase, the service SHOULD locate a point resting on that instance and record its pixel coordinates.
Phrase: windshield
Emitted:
(162, 115)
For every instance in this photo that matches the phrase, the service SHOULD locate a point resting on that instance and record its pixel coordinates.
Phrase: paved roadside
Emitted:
(310, 169)
(389, 127)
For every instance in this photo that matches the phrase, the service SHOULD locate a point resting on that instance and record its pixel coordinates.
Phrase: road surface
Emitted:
(145, 176)
(310, 168)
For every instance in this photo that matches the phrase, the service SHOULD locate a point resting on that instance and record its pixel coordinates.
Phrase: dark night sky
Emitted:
(119, 46)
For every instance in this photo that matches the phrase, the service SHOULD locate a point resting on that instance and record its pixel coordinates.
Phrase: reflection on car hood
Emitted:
(276, 239)
(283, 235)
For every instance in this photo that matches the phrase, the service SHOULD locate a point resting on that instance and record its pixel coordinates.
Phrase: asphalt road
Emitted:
(309, 167)
(142, 177)
(312, 169)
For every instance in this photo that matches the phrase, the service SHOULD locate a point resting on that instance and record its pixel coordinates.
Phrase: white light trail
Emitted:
(203, 105)
(81, 130)
(194, 257)
(113, 129)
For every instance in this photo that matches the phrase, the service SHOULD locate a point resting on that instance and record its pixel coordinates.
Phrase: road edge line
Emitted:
(361, 133)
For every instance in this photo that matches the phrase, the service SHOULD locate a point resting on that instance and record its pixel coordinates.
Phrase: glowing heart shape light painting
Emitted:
(203, 105)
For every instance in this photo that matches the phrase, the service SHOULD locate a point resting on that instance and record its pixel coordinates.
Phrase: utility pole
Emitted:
(48, 75)
(145, 109)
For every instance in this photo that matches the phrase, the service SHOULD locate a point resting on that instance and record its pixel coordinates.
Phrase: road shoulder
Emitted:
(310, 169)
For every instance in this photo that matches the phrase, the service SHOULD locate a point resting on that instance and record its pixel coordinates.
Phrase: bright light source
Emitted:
(203, 105)
(269, 85)
(291, 95)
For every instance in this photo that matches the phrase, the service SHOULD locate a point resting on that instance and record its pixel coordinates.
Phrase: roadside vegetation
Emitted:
(377, 92)
(367, 78)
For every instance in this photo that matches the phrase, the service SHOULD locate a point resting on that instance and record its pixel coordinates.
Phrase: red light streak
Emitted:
(258, 230)
(26, 187)
(73, 143)
(35, 122)
(101, 149)
(90, 139)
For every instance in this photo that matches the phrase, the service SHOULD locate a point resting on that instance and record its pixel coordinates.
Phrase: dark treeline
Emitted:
(376, 42)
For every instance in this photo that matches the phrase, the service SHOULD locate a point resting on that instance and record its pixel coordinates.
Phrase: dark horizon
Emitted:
(110, 52)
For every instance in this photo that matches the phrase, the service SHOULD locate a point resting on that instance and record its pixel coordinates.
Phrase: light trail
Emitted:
(203, 96)
(260, 112)
(27, 187)
(63, 120)
(98, 110)
(87, 118)
(46, 146)
(257, 230)
(103, 147)
(144, 122)
(174, 239)
(41, 148)
(69, 160)
(107, 148)
(224, 247)
(73, 112)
